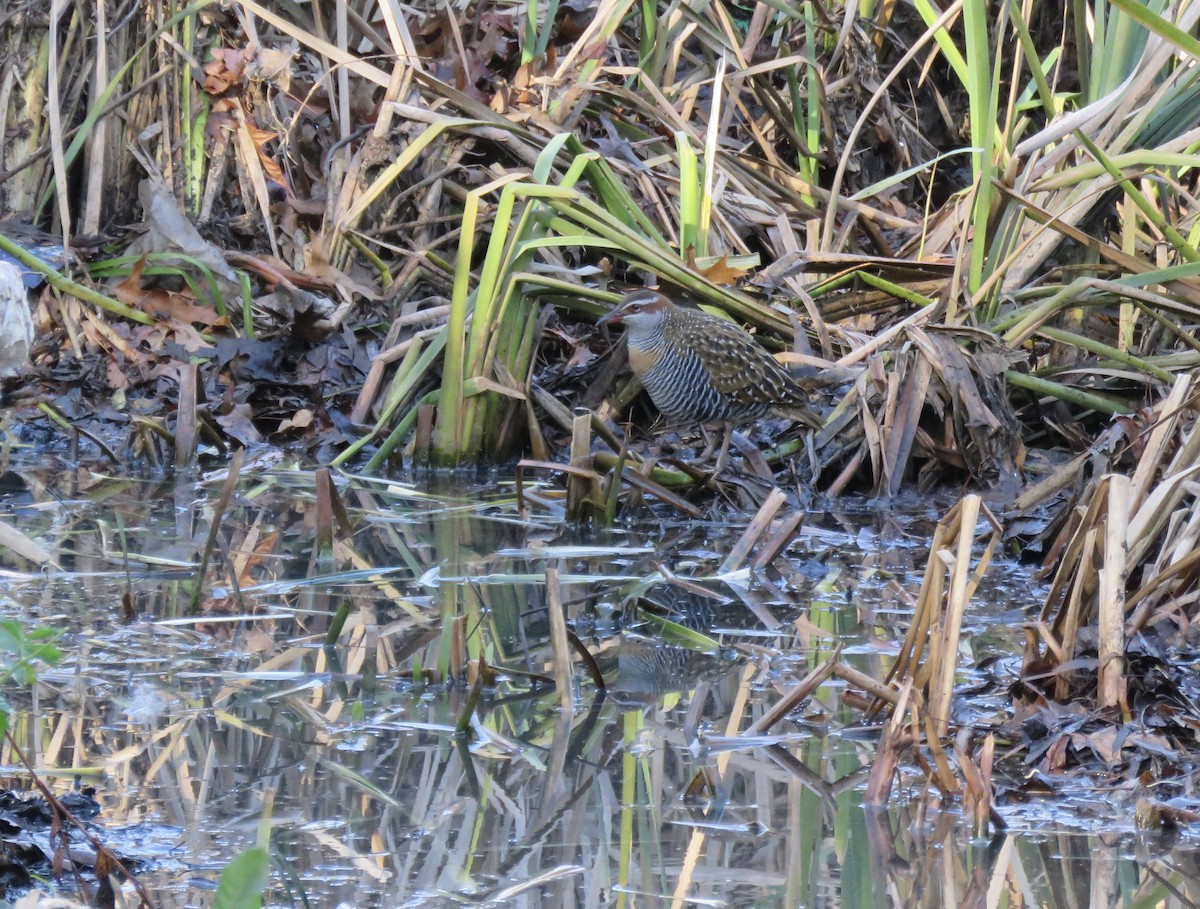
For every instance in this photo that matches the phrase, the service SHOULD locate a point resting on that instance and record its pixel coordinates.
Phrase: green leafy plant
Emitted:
(22, 651)
(243, 881)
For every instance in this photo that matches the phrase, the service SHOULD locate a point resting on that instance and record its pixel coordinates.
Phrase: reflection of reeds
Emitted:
(669, 763)
(927, 663)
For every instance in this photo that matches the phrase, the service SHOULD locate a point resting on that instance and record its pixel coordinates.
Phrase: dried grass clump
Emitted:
(936, 401)
(923, 674)
(414, 190)
(1123, 558)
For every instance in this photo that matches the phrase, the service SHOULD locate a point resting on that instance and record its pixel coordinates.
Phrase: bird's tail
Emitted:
(802, 413)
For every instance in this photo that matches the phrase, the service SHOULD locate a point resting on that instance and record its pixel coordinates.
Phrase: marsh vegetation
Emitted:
(377, 239)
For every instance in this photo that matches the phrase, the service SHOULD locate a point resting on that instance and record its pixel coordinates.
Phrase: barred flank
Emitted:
(682, 389)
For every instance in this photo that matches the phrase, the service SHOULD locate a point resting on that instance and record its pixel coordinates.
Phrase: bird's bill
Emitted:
(612, 317)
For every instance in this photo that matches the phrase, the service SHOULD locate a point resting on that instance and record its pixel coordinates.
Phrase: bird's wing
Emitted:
(746, 373)
(739, 366)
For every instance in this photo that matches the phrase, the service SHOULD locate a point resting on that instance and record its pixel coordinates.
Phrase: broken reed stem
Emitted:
(579, 485)
(423, 437)
(780, 537)
(559, 645)
(977, 785)
(324, 513)
(458, 647)
(892, 742)
(760, 524)
(185, 417)
(1111, 688)
(852, 676)
(231, 481)
(941, 687)
(802, 690)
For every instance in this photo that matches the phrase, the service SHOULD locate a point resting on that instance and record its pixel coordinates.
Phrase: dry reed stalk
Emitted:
(852, 676)
(781, 536)
(323, 543)
(1065, 630)
(1113, 578)
(895, 739)
(1143, 525)
(758, 526)
(797, 694)
(559, 645)
(1161, 437)
(1147, 523)
(458, 647)
(941, 774)
(583, 483)
(1091, 584)
(941, 687)
(905, 402)
(1062, 477)
(978, 793)
(1070, 552)
(928, 657)
(186, 420)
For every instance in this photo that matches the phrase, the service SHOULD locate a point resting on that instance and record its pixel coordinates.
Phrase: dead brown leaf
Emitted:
(227, 68)
(720, 272)
(302, 419)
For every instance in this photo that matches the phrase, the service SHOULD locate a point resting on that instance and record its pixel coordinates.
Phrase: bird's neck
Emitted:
(647, 337)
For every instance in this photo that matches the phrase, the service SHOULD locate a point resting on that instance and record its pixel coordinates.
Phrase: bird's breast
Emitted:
(642, 360)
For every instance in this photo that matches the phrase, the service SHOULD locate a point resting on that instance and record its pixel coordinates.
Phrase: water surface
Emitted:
(386, 709)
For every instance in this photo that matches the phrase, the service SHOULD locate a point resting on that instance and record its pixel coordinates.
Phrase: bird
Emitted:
(703, 369)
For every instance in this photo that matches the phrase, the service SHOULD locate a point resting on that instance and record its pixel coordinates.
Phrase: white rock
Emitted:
(16, 324)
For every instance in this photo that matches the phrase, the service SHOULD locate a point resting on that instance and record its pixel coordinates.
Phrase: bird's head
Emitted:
(641, 311)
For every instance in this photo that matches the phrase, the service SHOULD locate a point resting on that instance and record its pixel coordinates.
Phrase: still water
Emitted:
(371, 684)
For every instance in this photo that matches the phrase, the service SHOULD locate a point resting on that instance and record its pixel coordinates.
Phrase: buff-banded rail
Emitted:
(703, 369)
